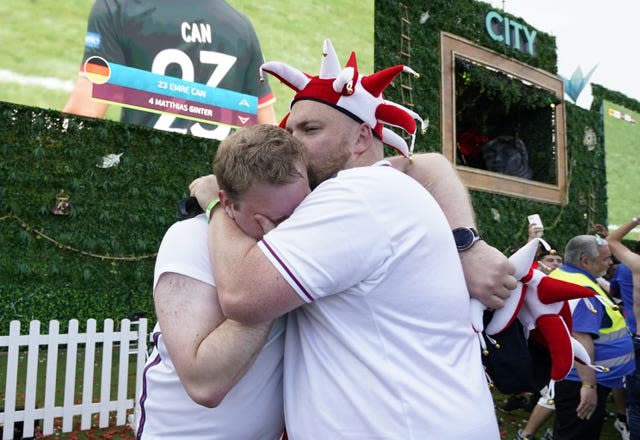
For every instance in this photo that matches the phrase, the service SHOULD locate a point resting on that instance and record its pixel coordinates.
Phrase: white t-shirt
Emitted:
(384, 347)
(251, 410)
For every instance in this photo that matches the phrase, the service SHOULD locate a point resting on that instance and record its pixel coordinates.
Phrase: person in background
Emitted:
(623, 283)
(547, 260)
(204, 41)
(627, 279)
(207, 373)
(604, 281)
(580, 398)
(522, 400)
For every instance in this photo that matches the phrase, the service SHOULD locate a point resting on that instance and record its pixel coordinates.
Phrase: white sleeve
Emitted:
(184, 250)
(331, 243)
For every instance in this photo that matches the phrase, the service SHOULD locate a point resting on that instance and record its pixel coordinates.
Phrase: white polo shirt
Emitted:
(253, 409)
(384, 347)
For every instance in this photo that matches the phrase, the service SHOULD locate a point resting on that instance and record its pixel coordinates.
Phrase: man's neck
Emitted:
(568, 267)
(367, 158)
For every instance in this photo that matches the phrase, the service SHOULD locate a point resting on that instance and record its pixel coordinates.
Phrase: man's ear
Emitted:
(585, 262)
(365, 138)
(226, 203)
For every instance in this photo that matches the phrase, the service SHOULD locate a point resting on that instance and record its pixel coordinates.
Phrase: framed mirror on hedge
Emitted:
(503, 124)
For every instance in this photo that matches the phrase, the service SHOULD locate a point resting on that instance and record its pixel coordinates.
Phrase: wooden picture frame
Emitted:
(454, 49)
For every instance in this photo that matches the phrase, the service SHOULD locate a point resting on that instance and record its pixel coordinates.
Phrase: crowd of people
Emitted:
(325, 291)
(580, 399)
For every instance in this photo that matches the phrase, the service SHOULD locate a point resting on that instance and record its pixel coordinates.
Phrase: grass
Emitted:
(46, 37)
(622, 169)
(349, 25)
(510, 422)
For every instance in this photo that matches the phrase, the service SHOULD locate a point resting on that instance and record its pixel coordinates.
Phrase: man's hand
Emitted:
(205, 189)
(489, 274)
(600, 230)
(265, 223)
(588, 402)
(535, 231)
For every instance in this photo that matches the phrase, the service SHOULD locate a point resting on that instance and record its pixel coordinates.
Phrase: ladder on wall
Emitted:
(406, 87)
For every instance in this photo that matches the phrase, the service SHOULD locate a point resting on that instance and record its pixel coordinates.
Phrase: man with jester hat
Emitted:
(377, 345)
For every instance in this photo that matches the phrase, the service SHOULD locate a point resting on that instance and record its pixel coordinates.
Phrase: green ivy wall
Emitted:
(97, 262)
(502, 219)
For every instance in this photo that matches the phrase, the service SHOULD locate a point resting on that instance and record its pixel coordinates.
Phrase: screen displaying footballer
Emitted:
(621, 134)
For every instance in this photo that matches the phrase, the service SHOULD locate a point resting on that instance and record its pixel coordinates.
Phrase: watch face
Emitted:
(464, 238)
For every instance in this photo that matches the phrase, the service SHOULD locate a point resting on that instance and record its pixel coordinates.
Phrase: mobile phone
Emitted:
(535, 218)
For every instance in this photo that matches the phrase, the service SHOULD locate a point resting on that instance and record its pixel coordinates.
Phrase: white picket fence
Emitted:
(130, 339)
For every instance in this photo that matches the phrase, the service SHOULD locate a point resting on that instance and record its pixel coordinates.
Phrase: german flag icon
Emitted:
(97, 70)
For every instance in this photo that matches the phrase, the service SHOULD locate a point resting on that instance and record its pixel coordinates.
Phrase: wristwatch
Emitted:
(465, 238)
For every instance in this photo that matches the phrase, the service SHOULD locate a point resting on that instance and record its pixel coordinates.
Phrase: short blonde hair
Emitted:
(258, 154)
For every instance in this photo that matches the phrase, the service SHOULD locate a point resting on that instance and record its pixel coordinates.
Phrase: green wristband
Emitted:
(210, 207)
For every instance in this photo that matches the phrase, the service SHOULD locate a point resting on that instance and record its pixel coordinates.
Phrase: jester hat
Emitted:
(356, 95)
(540, 303)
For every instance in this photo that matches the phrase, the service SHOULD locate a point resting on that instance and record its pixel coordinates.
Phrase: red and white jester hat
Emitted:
(358, 96)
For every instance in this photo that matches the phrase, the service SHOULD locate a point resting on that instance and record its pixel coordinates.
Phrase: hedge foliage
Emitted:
(502, 219)
(98, 260)
(601, 93)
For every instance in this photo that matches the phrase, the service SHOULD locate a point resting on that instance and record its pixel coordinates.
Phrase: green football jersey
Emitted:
(205, 41)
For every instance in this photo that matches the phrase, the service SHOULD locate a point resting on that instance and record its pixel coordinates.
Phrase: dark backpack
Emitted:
(510, 366)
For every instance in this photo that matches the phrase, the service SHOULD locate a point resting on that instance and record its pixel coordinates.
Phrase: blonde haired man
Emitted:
(206, 372)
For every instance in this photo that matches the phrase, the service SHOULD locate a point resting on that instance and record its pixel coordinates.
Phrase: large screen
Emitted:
(621, 134)
(43, 42)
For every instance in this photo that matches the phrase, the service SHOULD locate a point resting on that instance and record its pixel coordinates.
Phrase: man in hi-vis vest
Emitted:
(600, 327)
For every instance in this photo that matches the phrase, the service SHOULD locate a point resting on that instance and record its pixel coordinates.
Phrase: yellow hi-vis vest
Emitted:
(616, 334)
(617, 319)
